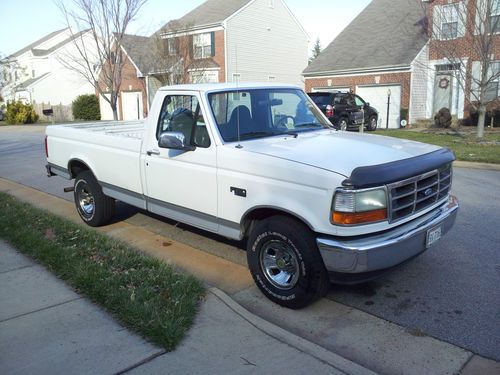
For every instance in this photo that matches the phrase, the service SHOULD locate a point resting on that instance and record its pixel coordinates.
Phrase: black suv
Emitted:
(343, 109)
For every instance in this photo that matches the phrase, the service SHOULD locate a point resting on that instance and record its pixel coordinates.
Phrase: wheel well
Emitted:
(261, 213)
(77, 166)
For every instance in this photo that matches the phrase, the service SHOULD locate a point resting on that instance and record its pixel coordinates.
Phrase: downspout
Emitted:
(224, 26)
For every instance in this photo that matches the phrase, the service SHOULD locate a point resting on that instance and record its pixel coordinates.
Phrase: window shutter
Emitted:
(437, 18)
(191, 46)
(212, 42)
(462, 19)
(479, 26)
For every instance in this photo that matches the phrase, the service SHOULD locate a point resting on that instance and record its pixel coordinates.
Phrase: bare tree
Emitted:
(465, 35)
(98, 28)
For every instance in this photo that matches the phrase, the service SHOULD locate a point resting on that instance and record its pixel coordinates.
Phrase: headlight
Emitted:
(351, 207)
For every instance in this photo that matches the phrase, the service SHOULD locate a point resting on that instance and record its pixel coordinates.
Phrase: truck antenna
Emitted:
(237, 76)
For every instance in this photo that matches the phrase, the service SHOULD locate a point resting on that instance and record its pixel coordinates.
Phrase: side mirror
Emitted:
(174, 141)
(367, 105)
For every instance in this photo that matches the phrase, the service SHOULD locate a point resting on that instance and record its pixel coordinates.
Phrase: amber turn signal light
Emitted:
(350, 218)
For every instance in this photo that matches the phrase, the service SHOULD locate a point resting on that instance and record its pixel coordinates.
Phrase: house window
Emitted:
(33, 73)
(491, 90)
(495, 16)
(236, 77)
(271, 78)
(449, 21)
(172, 47)
(203, 45)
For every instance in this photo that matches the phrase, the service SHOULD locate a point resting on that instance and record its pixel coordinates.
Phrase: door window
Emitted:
(182, 114)
(359, 102)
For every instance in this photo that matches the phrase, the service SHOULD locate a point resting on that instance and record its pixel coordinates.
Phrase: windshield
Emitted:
(249, 114)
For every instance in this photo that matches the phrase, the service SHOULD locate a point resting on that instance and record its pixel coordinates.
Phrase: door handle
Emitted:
(153, 152)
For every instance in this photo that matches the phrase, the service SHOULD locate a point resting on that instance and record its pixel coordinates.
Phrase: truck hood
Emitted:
(338, 152)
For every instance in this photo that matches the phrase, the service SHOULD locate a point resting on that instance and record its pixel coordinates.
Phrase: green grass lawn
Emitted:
(465, 146)
(145, 294)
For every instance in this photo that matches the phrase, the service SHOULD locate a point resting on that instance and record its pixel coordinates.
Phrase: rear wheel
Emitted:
(92, 205)
(285, 263)
(372, 123)
(343, 123)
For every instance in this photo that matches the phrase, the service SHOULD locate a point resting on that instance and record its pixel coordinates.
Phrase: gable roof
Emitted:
(386, 34)
(34, 44)
(211, 12)
(24, 85)
(45, 52)
(140, 50)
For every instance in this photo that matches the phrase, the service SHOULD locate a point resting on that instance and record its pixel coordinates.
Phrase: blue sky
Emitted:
(25, 21)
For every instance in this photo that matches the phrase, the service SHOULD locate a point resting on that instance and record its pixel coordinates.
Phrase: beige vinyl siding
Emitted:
(268, 44)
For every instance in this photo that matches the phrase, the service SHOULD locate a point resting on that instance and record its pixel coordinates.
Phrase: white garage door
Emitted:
(132, 105)
(377, 97)
(106, 111)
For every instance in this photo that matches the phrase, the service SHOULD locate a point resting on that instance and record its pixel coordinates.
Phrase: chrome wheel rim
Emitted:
(280, 265)
(343, 125)
(86, 201)
(373, 123)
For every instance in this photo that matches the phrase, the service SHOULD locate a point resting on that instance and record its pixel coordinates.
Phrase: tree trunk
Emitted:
(481, 120)
(115, 112)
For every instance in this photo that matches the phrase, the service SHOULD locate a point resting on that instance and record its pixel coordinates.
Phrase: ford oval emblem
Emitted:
(428, 192)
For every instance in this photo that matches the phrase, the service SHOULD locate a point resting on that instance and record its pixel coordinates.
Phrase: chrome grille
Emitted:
(417, 193)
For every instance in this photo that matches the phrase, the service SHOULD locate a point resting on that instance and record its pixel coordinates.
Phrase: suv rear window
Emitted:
(321, 99)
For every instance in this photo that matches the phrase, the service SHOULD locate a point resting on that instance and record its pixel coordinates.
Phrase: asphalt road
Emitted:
(451, 292)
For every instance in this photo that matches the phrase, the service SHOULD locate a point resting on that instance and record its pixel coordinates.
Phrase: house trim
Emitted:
(193, 30)
(358, 72)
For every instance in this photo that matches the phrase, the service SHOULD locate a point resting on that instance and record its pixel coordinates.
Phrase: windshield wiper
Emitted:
(308, 124)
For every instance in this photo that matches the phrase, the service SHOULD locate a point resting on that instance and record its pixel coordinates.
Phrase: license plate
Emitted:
(433, 235)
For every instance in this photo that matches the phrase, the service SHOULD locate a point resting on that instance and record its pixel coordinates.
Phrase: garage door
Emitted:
(377, 97)
(105, 107)
(132, 105)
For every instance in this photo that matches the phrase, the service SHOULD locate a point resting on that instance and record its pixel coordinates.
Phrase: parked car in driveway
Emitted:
(343, 109)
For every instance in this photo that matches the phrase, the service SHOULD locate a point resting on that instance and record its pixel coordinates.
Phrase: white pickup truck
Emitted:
(260, 162)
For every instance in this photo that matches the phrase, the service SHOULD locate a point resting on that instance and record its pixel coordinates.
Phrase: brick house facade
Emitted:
(455, 31)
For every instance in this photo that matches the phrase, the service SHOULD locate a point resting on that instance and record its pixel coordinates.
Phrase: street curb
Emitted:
(314, 350)
(474, 165)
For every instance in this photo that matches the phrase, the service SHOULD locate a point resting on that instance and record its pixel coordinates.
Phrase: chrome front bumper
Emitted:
(380, 251)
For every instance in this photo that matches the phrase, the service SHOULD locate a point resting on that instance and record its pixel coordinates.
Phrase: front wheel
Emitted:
(93, 206)
(285, 263)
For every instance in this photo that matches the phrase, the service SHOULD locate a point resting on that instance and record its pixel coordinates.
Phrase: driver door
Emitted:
(180, 184)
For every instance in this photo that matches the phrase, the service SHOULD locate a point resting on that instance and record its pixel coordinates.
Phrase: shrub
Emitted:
(86, 107)
(442, 119)
(20, 113)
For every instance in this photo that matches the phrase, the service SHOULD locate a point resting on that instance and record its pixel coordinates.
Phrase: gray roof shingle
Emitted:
(34, 44)
(209, 13)
(387, 33)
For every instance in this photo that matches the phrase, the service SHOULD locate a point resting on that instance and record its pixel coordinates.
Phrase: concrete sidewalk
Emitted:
(47, 328)
(326, 331)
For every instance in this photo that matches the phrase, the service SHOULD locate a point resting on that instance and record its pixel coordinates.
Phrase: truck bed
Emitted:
(129, 129)
(119, 143)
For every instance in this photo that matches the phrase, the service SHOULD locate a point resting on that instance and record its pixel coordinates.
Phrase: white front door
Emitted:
(377, 96)
(181, 184)
(132, 105)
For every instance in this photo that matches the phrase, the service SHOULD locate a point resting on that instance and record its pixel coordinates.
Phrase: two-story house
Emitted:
(219, 41)
(41, 72)
(244, 40)
(464, 42)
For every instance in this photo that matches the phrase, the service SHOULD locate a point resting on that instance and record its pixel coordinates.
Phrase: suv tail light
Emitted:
(329, 111)
(46, 148)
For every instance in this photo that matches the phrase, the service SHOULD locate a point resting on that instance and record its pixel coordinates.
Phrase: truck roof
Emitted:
(205, 87)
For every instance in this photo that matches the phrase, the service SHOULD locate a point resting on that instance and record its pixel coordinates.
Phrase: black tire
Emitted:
(93, 206)
(372, 124)
(298, 253)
